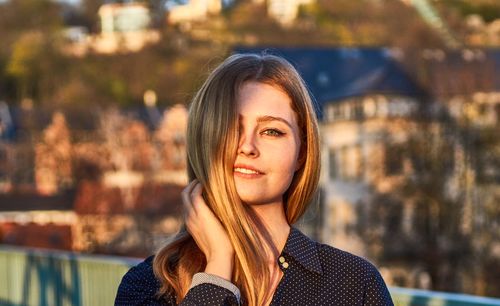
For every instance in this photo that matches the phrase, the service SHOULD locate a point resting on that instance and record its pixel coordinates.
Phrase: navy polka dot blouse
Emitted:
(313, 274)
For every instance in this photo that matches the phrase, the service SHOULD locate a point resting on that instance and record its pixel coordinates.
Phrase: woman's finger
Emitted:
(196, 197)
(186, 198)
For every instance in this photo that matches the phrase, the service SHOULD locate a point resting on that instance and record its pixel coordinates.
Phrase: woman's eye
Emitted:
(272, 132)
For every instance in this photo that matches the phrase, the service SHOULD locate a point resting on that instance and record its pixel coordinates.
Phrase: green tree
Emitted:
(24, 64)
(36, 66)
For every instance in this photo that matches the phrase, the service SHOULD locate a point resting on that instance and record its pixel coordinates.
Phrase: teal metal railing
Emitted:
(46, 278)
(416, 297)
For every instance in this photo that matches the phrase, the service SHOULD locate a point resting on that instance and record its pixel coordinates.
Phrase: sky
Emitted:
(168, 5)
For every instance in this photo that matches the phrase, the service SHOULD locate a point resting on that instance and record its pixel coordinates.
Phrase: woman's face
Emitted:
(269, 144)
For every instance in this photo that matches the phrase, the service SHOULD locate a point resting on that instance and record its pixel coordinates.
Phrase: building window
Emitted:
(394, 158)
(350, 164)
(337, 112)
(358, 111)
(354, 163)
(330, 113)
(333, 164)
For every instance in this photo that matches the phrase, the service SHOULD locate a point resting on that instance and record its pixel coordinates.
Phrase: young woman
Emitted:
(253, 163)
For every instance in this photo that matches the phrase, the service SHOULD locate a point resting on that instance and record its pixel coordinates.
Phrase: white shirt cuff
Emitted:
(203, 278)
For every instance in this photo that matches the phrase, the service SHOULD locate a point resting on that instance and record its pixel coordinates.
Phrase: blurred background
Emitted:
(93, 98)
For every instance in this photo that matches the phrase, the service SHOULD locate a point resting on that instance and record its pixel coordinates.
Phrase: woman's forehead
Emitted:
(256, 99)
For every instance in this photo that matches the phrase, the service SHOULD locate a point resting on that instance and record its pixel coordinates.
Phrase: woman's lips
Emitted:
(245, 171)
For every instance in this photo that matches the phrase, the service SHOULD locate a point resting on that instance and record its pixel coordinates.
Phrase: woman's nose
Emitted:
(248, 147)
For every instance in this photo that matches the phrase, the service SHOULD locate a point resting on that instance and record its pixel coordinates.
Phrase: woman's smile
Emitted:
(248, 172)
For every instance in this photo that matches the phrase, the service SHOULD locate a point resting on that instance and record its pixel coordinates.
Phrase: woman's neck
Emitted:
(274, 219)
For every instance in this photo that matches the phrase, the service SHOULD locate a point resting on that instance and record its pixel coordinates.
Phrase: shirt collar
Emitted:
(303, 250)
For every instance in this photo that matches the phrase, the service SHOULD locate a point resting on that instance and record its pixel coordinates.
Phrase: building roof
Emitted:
(461, 72)
(334, 74)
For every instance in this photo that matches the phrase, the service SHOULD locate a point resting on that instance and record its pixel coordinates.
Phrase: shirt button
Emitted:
(282, 259)
(284, 265)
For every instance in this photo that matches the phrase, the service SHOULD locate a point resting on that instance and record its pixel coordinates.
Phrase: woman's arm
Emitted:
(213, 287)
(139, 287)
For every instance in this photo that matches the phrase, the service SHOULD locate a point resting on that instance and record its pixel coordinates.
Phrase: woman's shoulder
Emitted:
(141, 273)
(139, 286)
(314, 254)
(355, 273)
(343, 262)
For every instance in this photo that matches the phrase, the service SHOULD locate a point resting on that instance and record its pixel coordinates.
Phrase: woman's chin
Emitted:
(252, 200)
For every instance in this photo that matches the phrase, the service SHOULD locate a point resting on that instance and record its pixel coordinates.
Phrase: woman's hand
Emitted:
(208, 232)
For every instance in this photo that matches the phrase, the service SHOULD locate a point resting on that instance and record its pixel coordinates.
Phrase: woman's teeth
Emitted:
(246, 171)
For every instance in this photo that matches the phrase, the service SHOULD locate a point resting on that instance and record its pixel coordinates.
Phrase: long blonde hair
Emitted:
(212, 142)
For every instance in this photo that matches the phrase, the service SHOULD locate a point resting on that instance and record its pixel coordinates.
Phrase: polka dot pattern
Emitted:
(313, 274)
(319, 274)
(139, 287)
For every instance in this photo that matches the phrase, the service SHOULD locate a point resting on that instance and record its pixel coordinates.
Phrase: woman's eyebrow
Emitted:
(273, 118)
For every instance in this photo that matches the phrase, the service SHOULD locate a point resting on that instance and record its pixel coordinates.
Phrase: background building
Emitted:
(194, 10)
(125, 27)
